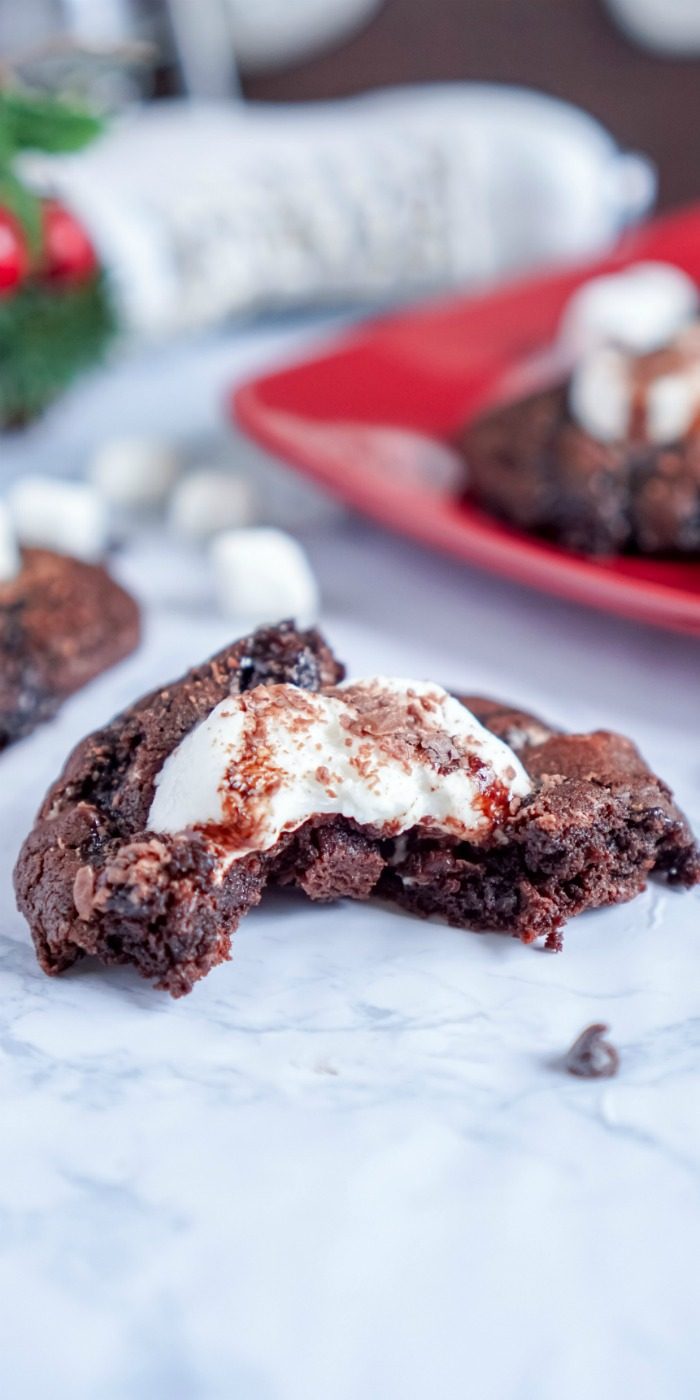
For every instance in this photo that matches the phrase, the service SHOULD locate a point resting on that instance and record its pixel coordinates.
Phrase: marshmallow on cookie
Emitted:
(635, 341)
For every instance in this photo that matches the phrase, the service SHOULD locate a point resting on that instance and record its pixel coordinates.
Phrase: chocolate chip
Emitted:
(281, 654)
(592, 1057)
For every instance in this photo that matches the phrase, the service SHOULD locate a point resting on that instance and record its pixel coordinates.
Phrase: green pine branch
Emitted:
(47, 336)
(31, 121)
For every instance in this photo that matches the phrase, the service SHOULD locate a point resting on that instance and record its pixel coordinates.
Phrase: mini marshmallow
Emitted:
(65, 516)
(639, 310)
(209, 501)
(263, 575)
(10, 558)
(134, 472)
(672, 406)
(600, 394)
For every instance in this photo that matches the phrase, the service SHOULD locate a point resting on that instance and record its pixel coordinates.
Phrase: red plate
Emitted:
(372, 417)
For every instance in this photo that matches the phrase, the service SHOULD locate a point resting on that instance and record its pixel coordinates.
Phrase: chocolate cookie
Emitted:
(532, 465)
(290, 777)
(62, 622)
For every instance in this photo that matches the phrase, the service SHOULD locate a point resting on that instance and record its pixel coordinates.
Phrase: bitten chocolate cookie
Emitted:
(62, 622)
(265, 766)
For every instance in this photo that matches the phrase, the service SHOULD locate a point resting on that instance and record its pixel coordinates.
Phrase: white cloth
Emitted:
(206, 211)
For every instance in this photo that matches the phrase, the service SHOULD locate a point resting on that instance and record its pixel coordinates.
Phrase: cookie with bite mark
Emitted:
(263, 766)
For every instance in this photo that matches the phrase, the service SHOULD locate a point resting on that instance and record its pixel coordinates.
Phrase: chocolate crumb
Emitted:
(592, 1057)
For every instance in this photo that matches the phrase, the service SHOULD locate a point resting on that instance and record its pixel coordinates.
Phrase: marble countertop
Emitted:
(349, 1165)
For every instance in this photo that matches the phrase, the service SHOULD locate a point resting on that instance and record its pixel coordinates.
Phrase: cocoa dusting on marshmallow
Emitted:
(385, 753)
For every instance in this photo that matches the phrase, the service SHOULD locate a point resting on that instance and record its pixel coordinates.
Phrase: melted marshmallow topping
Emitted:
(637, 352)
(389, 754)
(639, 310)
(648, 398)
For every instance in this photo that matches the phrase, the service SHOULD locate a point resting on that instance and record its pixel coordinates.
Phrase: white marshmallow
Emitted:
(315, 762)
(66, 516)
(10, 558)
(600, 394)
(211, 500)
(263, 575)
(134, 472)
(672, 403)
(640, 309)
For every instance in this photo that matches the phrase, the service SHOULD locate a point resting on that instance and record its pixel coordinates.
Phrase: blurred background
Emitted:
(634, 64)
(191, 190)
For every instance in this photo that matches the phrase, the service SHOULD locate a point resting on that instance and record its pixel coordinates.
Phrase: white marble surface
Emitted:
(347, 1166)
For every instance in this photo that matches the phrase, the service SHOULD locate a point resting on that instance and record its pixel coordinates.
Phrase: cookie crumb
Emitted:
(592, 1057)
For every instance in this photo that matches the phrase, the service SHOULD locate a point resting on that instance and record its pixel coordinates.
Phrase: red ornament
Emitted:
(68, 255)
(14, 258)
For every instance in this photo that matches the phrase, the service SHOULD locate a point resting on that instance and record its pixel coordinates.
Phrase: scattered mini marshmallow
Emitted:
(66, 516)
(210, 500)
(10, 558)
(639, 310)
(263, 575)
(134, 472)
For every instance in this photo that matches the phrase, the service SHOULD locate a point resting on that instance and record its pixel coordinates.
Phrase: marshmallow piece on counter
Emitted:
(600, 394)
(640, 309)
(10, 558)
(135, 472)
(211, 500)
(263, 575)
(65, 516)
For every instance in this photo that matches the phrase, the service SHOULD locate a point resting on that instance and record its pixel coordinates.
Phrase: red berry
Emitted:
(68, 255)
(14, 258)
